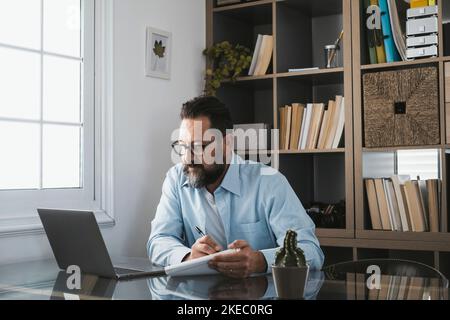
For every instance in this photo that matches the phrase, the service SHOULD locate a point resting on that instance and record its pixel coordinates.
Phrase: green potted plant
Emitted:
(225, 62)
(290, 270)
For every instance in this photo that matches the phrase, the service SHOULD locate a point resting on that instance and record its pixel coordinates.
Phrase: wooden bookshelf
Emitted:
(300, 29)
(427, 247)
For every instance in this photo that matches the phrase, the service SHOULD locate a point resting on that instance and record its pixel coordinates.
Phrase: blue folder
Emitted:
(389, 44)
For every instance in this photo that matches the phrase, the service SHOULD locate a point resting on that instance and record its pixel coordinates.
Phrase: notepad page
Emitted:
(195, 267)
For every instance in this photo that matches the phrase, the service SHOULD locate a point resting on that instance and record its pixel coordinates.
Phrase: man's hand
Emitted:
(203, 247)
(240, 264)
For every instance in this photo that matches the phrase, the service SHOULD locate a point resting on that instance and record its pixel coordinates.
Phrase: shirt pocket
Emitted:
(259, 226)
(255, 233)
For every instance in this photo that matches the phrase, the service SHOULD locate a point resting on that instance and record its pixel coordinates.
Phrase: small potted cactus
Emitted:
(290, 270)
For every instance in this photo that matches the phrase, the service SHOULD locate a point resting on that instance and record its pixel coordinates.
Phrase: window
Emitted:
(48, 132)
(41, 121)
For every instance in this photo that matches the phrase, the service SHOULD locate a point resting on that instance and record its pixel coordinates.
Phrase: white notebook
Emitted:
(195, 267)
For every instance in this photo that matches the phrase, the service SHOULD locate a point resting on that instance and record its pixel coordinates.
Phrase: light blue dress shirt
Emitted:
(254, 206)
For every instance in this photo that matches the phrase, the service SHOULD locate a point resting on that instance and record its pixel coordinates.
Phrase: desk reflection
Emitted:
(91, 288)
(223, 288)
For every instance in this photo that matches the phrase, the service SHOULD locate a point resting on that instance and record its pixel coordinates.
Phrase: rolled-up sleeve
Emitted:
(285, 212)
(165, 245)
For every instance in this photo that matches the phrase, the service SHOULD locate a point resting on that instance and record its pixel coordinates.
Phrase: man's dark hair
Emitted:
(210, 107)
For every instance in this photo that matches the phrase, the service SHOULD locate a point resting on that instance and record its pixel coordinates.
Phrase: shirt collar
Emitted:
(231, 181)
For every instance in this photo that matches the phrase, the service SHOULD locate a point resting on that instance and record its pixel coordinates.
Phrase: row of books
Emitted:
(261, 56)
(400, 204)
(387, 44)
(313, 126)
(398, 287)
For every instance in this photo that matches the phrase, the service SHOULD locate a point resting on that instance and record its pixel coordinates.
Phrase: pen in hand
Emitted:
(209, 241)
(200, 232)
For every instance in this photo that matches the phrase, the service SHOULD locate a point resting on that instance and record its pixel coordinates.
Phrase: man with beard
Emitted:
(232, 201)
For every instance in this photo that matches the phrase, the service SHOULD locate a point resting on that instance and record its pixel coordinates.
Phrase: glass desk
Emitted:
(42, 280)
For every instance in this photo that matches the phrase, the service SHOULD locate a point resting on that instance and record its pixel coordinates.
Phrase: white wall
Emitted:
(146, 113)
(147, 109)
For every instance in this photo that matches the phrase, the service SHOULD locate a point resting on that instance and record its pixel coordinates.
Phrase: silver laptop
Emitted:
(75, 239)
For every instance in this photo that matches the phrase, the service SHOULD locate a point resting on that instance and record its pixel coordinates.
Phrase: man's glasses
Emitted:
(197, 148)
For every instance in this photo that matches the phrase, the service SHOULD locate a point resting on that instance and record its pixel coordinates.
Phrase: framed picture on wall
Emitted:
(158, 53)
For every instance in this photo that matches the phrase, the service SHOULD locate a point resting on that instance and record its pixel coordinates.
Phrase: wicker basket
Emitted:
(401, 107)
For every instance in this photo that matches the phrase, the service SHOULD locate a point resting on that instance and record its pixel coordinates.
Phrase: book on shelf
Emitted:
(401, 204)
(316, 121)
(370, 35)
(251, 71)
(306, 129)
(382, 205)
(262, 55)
(335, 118)
(324, 127)
(297, 117)
(379, 43)
(373, 204)
(397, 182)
(340, 124)
(288, 127)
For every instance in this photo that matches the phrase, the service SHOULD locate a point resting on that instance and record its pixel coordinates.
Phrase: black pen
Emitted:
(200, 232)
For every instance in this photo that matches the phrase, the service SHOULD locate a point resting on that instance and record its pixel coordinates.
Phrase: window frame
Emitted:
(18, 213)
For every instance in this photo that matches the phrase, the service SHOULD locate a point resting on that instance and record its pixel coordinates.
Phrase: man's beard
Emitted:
(200, 177)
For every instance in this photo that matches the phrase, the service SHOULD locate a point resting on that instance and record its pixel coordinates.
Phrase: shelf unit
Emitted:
(427, 247)
(301, 28)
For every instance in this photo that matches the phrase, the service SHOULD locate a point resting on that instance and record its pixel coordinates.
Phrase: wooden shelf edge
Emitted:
(390, 149)
(309, 73)
(335, 233)
(251, 78)
(402, 236)
(281, 152)
(242, 5)
(340, 150)
(361, 243)
(283, 75)
(399, 64)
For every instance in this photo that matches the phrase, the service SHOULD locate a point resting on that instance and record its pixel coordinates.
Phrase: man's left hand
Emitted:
(240, 264)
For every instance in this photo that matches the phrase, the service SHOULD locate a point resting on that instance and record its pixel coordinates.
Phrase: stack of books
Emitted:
(400, 204)
(312, 126)
(261, 56)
